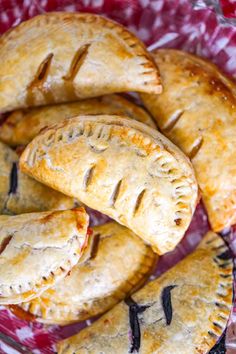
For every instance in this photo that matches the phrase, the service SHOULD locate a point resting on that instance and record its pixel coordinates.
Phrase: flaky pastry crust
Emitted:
(120, 262)
(197, 112)
(38, 249)
(60, 57)
(21, 126)
(121, 168)
(182, 312)
(22, 194)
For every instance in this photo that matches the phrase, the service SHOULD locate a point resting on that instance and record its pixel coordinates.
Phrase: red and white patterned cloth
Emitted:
(188, 25)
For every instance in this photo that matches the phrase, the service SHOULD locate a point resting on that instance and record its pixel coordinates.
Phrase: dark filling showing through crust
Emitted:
(166, 303)
(134, 311)
(219, 348)
(4, 243)
(95, 245)
(13, 179)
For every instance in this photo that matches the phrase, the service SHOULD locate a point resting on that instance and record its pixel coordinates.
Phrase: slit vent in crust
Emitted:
(167, 304)
(139, 202)
(115, 194)
(88, 177)
(77, 62)
(197, 146)
(4, 243)
(96, 240)
(134, 311)
(173, 120)
(42, 72)
(13, 179)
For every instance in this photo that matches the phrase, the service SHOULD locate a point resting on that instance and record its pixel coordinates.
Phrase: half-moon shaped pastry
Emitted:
(22, 194)
(121, 168)
(197, 112)
(59, 57)
(21, 126)
(119, 263)
(38, 249)
(182, 312)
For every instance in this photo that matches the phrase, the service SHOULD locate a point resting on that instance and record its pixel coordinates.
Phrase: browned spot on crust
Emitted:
(214, 84)
(19, 150)
(80, 225)
(194, 70)
(49, 217)
(22, 314)
(43, 129)
(178, 221)
(86, 241)
(20, 256)
(77, 62)
(83, 314)
(4, 243)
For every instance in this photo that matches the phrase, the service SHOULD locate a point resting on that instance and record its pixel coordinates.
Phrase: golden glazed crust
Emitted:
(182, 312)
(37, 250)
(59, 57)
(121, 168)
(120, 265)
(22, 194)
(197, 112)
(22, 126)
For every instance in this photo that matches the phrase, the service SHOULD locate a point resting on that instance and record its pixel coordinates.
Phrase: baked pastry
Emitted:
(96, 56)
(20, 127)
(121, 168)
(182, 312)
(21, 194)
(38, 249)
(197, 112)
(119, 263)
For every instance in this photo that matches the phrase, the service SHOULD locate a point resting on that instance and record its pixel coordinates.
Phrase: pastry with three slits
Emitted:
(121, 168)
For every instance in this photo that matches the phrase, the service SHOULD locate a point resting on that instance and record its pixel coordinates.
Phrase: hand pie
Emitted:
(182, 312)
(21, 194)
(119, 263)
(197, 112)
(121, 168)
(38, 249)
(60, 57)
(21, 126)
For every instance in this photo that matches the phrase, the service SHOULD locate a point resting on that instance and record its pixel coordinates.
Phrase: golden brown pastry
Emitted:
(21, 126)
(21, 194)
(59, 57)
(119, 263)
(121, 168)
(182, 312)
(197, 112)
(38, 249)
